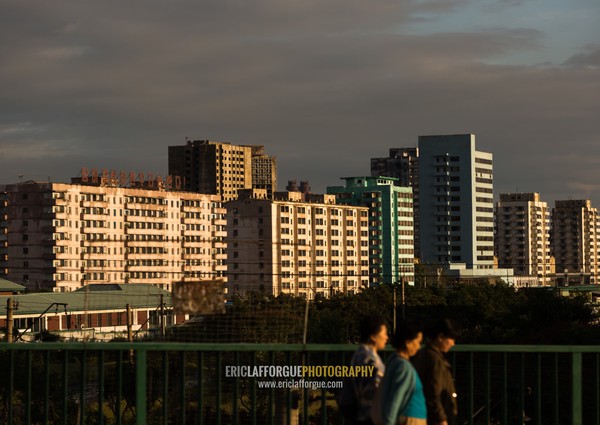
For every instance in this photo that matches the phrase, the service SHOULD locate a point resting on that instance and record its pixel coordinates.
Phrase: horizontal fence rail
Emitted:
(191, 383)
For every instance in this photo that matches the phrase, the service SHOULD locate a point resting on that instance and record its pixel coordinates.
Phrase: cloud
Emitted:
(62, 52)
(589, 59)
(324, 85)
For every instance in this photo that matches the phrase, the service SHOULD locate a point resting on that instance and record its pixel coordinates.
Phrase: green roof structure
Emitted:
(8, 286)
(96, 297)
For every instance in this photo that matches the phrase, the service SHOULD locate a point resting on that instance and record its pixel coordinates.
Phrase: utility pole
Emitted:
(129, 323)
(9, 320)
(162, 316)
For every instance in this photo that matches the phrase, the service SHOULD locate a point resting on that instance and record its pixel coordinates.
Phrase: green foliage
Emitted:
(486, 313)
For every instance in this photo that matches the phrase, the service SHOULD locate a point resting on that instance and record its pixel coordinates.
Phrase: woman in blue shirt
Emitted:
(401, 399)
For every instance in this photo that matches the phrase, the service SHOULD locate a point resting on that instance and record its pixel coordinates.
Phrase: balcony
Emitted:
(183, 383)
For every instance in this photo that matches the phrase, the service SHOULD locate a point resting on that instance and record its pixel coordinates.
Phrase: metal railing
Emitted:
(188, 383)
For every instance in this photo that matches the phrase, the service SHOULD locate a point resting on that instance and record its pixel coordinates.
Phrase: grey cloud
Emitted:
(325, 85)
(591, 58)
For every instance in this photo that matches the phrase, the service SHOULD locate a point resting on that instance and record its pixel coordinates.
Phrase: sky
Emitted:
(323, 84)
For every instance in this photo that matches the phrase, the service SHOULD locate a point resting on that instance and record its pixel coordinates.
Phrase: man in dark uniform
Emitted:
(436, 374)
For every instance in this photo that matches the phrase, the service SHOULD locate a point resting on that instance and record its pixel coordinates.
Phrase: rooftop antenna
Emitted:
(20, 178)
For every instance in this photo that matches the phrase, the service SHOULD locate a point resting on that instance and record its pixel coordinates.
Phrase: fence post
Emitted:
(9, 320)
(140, 386)
(576, 389)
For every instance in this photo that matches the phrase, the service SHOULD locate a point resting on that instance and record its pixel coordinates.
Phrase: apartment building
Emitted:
(264, 170)
(575, 241)
(456, 201)
(522, 238)
(290, 246)
(402, 164)
(456, 208)
(64, 236)
(391, 225)
(216, 168)
(222, 168)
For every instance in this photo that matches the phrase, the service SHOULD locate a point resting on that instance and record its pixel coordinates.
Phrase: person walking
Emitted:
(400, 400)
(357, 395)
(436, 374)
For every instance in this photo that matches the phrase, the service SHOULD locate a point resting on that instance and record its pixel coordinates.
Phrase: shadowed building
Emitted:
(402, 164)
(212, 167)
(264, 170)
(220, 168)
(575, 241)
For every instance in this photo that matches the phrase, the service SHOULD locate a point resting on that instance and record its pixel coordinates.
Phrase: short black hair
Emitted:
(407, 330)
(445, 327)
(370, 326)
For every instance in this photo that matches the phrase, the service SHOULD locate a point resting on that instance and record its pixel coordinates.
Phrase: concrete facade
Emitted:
(289, 246)
(402, 164)
(264, 170)
(456, 202)
(65, 236)
(522, 238)
(575, 241)
(391, 225)
(212, 167)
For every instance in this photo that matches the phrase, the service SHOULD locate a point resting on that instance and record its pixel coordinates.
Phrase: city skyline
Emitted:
(324, 86)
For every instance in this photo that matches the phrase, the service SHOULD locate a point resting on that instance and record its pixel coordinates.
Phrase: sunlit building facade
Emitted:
(290, 246)
(65, 236)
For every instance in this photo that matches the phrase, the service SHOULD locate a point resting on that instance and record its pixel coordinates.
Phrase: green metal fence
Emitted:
(185, 383)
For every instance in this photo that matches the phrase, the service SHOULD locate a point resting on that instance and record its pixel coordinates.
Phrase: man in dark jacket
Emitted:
(436, 374)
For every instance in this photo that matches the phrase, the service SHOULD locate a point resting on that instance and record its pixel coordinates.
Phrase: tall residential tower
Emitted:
(212, 167)
(391, 225)
(456, 202)
(264, 170)
(575, 241)
(523, 238)
(402, 164)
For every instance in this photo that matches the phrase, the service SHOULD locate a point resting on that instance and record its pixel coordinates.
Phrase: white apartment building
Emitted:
(456, 201)
(523, 238)
(65, 236)
(575, 241)
(289, 246)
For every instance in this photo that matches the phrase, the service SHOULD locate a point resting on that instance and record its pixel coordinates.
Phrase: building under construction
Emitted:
(221, 168)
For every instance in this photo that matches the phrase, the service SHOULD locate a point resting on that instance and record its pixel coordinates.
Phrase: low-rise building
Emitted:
(93, 312)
